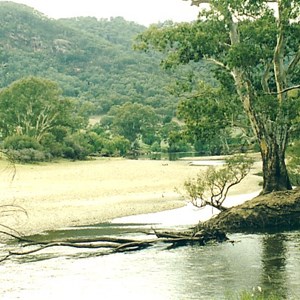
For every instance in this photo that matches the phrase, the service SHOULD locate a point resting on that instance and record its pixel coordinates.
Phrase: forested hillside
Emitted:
(91, 59)
(89, 67)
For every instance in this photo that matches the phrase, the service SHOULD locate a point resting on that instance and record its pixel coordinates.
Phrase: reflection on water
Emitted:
(270, 261)
(274, 255)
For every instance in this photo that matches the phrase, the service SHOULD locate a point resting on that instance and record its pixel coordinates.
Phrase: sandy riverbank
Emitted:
(78, 193)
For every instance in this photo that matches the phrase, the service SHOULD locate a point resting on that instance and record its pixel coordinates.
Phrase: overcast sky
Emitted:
(140, 11)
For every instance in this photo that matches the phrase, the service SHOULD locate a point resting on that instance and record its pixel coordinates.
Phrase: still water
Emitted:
(221, 271)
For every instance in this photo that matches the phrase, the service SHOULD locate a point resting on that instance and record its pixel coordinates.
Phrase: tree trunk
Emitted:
(271, 132)
(275, 173)
(272, 136)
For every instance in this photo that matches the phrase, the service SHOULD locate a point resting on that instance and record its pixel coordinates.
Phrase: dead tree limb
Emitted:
(111, 245)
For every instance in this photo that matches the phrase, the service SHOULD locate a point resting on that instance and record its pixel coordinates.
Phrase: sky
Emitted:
(143, 12)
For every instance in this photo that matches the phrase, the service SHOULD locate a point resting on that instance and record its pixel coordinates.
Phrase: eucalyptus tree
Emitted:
(32, 107)
(208, 114)
(134, 121)
(254, 46)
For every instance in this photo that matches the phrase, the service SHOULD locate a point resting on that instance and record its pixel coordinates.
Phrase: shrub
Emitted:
(28, 155)
(116, 146)
(19, 142)
(77, 146)
(212, 186)
(155, 147)
(51, 145)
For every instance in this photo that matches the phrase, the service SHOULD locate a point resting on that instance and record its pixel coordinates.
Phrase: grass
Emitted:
(255, 294)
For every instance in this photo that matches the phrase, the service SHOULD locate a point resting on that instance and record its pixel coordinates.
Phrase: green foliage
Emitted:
(90, 59)
(77, 146)
(24, 149)
(19, 142)
(33, 107)
(53, 144)
(212, 186)
(177, 142)
(27, 155)
(294, 163)
(256, 49)
(155, 147)
(35, 116)
(256, 294)
(116, 146)
(209, 115)
(250, 52)
(133, 121)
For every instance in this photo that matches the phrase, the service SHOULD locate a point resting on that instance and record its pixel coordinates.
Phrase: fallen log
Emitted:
(119, 244)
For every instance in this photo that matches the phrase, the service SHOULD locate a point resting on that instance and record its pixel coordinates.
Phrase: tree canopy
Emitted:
(32, 107)
(256, 53)
(91, 59)
(133, 120)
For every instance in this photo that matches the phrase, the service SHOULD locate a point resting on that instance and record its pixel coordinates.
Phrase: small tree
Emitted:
(212, 186)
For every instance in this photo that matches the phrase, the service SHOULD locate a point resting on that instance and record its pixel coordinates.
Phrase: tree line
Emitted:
(231, 77)
(55, 74)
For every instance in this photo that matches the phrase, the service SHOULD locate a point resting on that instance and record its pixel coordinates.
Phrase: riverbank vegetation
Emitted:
(212, 186)
(91, 67)
(255, 55)
(92, 72)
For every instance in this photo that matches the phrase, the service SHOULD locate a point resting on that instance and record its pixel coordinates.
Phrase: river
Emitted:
(267, 262)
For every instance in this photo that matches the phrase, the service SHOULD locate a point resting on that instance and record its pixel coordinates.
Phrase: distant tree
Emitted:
(134, 120)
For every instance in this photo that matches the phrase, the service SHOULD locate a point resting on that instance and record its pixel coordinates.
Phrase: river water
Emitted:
(267, 262)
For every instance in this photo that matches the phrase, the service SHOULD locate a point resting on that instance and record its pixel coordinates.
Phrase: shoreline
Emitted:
(65, 194)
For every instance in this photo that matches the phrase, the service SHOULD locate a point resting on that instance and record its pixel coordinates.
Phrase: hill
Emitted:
(92, 60)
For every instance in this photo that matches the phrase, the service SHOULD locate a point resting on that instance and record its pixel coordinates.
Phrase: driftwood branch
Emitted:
(109, 245)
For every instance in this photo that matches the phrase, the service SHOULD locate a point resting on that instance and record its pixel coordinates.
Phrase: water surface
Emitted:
(268, 261)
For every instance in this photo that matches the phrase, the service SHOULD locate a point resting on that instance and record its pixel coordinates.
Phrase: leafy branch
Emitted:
(212, 186)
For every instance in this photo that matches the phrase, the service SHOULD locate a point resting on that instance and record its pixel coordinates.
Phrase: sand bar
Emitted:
(89, 192)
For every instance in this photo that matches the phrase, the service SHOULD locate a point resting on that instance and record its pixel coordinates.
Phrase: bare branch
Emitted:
(124, 245)
(295, 87)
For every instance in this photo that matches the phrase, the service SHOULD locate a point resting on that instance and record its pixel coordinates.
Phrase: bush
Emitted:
(95, 141)
(19, 142)
(77, 147)
(121, 145)
(51, 145)
(28, 155)
(116, 146)
(155, 147)
(256, 294)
